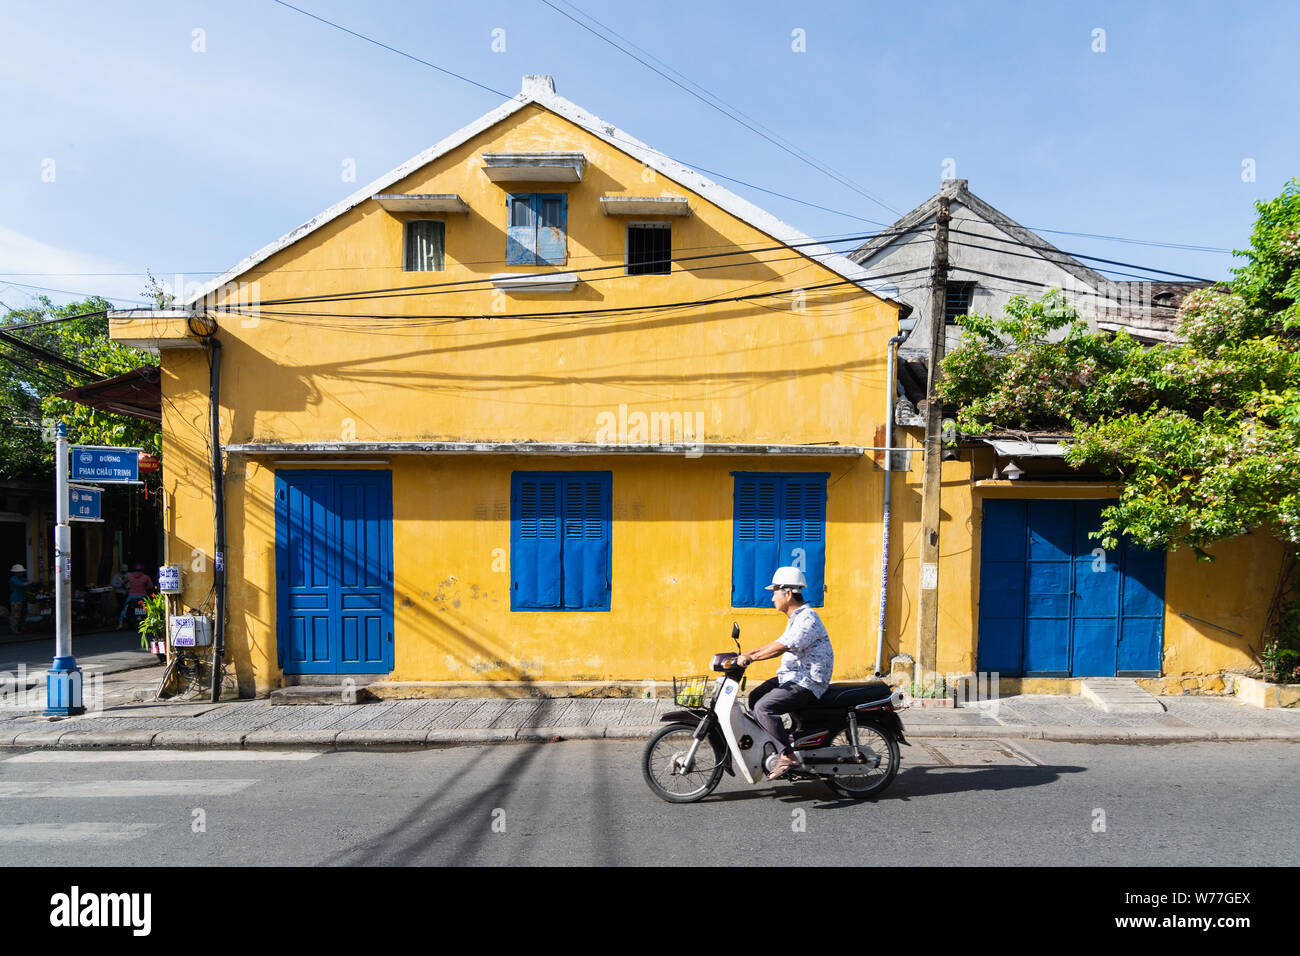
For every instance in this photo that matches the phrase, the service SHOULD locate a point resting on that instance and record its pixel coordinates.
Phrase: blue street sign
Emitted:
(84, 503)
(104, 464)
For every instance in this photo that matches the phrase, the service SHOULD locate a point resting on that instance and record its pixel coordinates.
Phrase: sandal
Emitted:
(782, 767)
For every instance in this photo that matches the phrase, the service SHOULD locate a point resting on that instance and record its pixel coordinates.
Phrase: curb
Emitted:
(408, 739)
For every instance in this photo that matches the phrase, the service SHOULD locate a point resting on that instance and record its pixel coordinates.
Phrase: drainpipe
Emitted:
(219, 516)
(891, 385)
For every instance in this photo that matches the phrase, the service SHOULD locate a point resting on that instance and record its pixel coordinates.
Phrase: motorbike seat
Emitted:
(842, 696)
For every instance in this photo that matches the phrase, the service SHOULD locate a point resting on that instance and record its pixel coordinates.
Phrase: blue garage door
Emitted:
(334, 571)
(1054, 604)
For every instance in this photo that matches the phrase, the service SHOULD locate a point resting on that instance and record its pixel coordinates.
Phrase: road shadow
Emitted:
(911, 782)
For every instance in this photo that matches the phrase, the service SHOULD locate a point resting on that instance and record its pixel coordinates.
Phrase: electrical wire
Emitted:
(1045, 252)
(635, 143)
(457, 285)
(83, 295)
(830, 238)
(19, 326)
(723, 298)
(730, 112)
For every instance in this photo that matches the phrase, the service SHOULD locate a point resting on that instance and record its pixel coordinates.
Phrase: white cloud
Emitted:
(29, 267)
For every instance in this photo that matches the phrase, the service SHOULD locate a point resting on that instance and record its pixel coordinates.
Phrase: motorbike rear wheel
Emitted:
(872, 781)
(662, 753)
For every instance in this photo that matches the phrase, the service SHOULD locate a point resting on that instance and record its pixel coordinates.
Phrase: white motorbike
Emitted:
(848, 740)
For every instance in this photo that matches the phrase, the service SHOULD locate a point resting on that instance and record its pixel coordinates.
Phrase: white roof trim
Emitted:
(543, 95)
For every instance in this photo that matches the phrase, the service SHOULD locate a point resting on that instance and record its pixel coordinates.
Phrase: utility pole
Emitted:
(927, 634)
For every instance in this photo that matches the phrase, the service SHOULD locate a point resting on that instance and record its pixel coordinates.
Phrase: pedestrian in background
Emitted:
(18, 585)
(138, 586)
(118, 584)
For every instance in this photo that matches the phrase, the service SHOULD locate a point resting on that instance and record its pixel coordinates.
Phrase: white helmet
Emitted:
(17, 568)
(788, 578)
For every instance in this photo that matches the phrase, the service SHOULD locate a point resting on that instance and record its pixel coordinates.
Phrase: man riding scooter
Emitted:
(806, 662)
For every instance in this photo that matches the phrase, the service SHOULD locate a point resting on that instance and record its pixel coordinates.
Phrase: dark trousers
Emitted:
(768, 701)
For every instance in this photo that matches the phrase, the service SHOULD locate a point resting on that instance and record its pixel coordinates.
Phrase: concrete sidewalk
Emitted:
(122, 720)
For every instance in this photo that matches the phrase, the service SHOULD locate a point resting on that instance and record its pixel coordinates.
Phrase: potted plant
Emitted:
(153, 629)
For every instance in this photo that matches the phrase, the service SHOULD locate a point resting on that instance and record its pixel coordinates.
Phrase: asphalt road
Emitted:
(584, 803)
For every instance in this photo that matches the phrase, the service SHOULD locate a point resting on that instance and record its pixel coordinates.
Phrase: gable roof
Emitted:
(540, 89)
(956, 190)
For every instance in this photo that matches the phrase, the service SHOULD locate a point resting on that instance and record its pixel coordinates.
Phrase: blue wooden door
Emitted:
(1053, 603)
(334, 571)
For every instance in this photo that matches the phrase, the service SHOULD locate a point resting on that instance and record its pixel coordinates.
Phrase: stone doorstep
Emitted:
(303, 694)
(1117, 695)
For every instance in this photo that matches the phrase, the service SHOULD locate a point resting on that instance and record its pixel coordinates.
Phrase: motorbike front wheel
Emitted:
(872, 781)
(661, 763)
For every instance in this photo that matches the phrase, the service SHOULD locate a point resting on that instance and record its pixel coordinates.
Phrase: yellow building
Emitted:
(542, 404)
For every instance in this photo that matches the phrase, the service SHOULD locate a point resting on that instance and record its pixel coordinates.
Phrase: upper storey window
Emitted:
(425, 245)
(536, 230)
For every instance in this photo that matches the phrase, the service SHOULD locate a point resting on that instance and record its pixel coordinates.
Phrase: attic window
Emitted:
(1163, 298)
(649, 248)
(425, 245)
(957, 297)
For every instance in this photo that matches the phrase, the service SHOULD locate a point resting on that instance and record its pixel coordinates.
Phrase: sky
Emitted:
(178, 137)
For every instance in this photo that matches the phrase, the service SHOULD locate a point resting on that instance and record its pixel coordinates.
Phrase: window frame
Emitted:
(815, 566)
(406, 244)
(627, 247)
(604, 596)
(948, 289)
(535, 204)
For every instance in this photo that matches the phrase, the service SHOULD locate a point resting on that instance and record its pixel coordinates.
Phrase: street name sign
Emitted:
(105, 464)
(84, 503)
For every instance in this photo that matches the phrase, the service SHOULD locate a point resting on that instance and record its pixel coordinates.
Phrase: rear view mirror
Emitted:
(735, 631)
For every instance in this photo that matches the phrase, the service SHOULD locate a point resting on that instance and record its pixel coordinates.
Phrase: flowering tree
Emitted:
(1203, 434)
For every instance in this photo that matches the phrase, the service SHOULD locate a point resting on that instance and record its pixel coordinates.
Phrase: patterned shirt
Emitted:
(808, 659)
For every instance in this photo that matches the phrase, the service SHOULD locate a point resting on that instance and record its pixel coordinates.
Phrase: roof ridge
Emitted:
(540, 89)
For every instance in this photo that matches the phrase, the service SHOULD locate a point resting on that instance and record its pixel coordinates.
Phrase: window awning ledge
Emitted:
(536, 282)
(536, 448)
(534, 167)
(422, 202)
(645, 206)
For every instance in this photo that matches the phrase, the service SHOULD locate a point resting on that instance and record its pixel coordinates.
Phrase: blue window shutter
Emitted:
(535, 544)
(586, 529)
(552, 225)
(755, 544)
(521, 230)
(803, 529)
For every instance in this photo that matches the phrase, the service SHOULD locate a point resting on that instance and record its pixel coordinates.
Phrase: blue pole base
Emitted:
(63, 689)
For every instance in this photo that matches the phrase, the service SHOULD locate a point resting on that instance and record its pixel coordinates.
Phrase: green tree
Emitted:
(1203, 434)
(75, 352)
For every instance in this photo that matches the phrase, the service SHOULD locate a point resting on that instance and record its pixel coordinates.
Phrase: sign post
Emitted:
(63, 680)
(100, 464)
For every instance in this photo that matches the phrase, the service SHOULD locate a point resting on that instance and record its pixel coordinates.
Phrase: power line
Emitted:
(1090, 235)
(730, 112)
(721, 299)
(392, 49)
(84, 295)
(610, 135)
(1046, 253)
(18, 327)
(458, 285)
